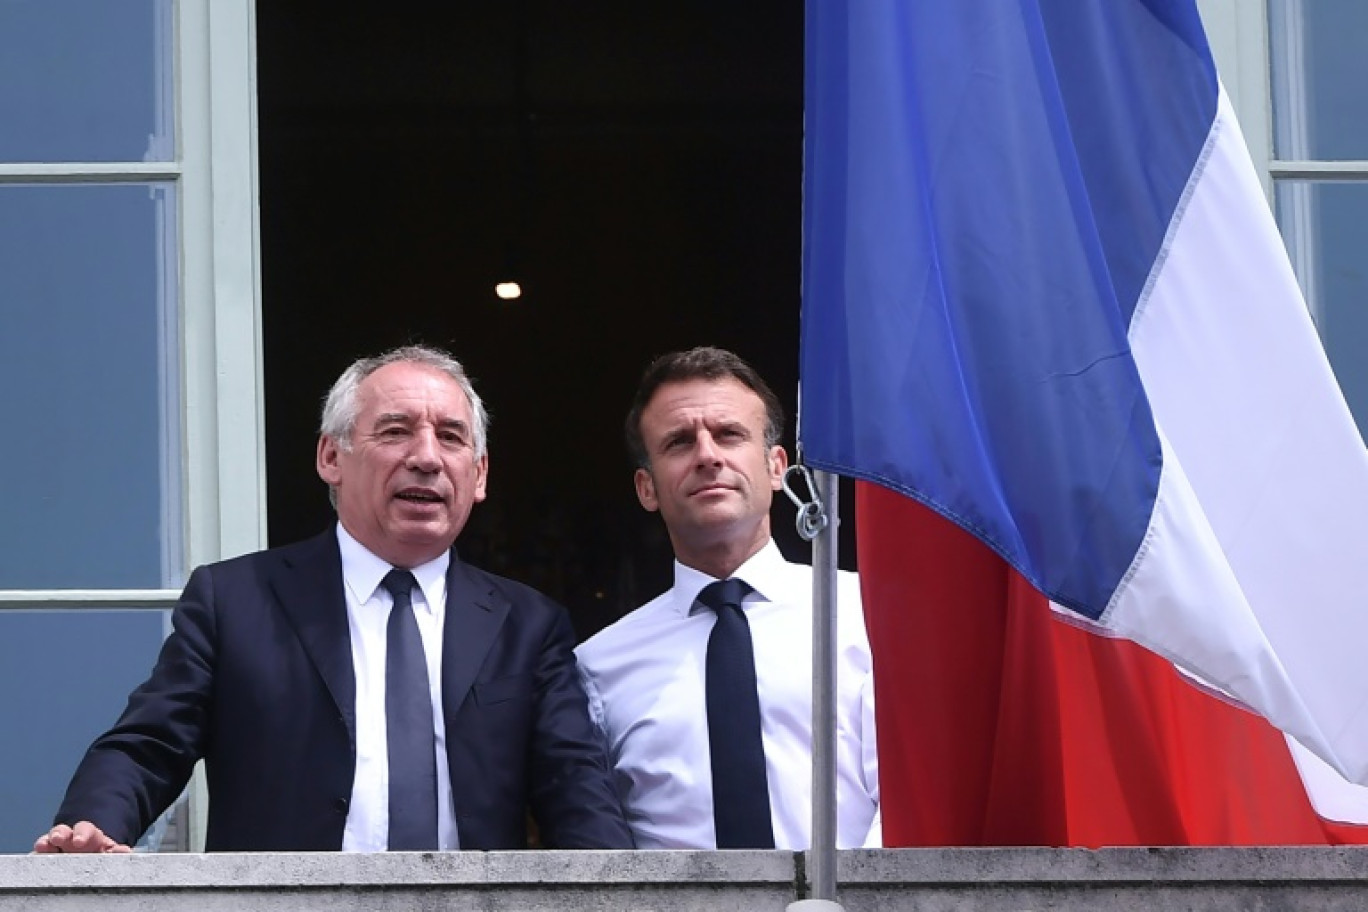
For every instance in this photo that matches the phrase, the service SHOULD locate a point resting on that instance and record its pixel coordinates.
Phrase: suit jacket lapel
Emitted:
(474, 613)
(308, 584)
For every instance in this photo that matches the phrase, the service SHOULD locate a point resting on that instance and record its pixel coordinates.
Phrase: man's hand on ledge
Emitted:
(84, 837)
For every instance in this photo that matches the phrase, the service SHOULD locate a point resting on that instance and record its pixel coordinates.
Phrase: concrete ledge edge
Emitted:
(267, 870)
(871, 869)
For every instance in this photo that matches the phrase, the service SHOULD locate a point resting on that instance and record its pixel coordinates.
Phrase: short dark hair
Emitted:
(703, 363)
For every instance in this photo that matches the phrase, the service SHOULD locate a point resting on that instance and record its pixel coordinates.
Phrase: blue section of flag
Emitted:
(987, 187)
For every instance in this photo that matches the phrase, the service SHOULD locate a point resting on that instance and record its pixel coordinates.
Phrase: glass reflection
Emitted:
(1320, 110)
(86, 80)
(74, 670)
(1324, 224)
(89, 362)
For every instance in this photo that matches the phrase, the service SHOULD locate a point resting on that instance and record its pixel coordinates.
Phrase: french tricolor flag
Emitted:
(1044, 302)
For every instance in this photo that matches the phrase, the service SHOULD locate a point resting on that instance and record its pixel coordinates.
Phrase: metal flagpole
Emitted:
(817, 523)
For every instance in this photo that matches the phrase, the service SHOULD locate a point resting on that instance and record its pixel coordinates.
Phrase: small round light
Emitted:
(508, 291)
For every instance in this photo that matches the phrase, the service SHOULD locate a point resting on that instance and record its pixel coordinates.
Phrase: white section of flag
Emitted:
(1252, 576)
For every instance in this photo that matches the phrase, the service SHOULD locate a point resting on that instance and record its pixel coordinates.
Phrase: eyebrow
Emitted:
(392, 417)
(404, 418)
(454, 424)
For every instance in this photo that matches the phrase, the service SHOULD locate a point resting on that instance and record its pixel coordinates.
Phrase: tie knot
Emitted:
(399, 584)
(724, 593)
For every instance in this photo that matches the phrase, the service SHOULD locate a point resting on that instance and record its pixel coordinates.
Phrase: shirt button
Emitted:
(341, 805)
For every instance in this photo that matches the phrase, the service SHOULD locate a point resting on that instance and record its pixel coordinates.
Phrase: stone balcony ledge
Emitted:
(1011, 880)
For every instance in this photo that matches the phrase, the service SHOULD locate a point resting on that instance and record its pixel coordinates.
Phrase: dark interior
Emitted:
(637, 164)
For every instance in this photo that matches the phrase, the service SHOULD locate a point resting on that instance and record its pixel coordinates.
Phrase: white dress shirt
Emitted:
(368, 608)
(645, 680)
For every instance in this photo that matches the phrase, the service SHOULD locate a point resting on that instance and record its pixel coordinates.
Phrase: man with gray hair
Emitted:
(366, 689)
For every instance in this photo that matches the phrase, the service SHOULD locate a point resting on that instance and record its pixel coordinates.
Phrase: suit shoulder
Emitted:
(520, 595)
(280, 554)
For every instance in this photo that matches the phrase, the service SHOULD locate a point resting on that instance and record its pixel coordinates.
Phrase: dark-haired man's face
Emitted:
(709, 472)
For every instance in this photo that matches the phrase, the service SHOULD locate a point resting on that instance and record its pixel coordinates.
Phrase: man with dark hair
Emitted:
(705, 693)
(366, 689)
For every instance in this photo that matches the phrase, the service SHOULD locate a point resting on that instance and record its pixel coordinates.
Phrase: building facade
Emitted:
(130, 320)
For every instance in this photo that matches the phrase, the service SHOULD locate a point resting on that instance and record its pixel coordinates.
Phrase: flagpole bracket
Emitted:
(812, 516)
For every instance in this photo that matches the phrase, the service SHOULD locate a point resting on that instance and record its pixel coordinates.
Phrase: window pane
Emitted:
(85, 80)
(88, 355)
(1326, 226)
(1320, 110)
(68, 675)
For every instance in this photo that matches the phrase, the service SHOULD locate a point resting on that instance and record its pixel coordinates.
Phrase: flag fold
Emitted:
(1044, 297)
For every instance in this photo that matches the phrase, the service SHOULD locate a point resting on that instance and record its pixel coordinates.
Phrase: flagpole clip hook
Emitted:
(812, 515)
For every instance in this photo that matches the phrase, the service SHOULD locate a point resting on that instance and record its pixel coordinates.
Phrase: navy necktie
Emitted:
(741, 808)
(408, 724)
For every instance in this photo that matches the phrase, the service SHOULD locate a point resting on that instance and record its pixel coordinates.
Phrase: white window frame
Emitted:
(223, 475)
(1240, 36)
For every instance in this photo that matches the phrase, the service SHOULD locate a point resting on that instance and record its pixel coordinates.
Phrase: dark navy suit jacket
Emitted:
(257, 679)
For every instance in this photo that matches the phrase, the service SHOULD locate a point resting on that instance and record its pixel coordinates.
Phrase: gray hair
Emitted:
(341, 409)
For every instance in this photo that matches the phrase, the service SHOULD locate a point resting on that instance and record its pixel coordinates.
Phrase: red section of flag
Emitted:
(1000, 724)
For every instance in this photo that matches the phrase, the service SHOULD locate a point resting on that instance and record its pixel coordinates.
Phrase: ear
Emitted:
(645, 489)
(326, 461)
(778, 464)
(481, 477)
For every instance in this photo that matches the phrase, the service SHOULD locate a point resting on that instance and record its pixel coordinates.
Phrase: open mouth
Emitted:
(419, 497)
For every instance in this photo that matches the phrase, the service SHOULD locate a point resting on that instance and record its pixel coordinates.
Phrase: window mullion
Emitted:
(19, 599)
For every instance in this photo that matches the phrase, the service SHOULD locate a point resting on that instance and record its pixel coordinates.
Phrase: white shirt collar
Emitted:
(363, 571)
(763, 571)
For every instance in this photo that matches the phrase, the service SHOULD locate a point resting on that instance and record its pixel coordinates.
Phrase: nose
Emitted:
(424, 454)
(707, 452)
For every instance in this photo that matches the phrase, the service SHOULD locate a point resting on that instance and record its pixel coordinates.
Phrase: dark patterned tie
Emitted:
(408, 723)
(741, 808)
